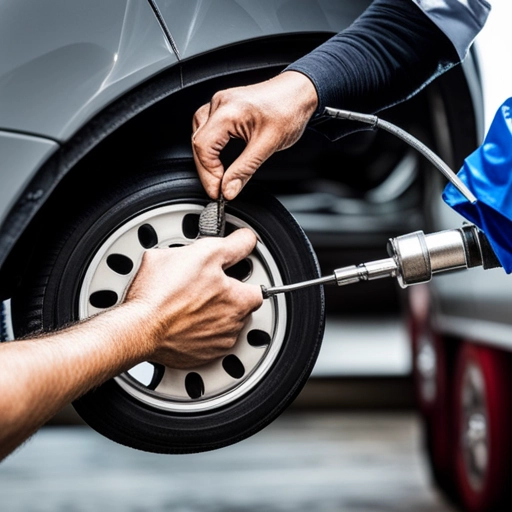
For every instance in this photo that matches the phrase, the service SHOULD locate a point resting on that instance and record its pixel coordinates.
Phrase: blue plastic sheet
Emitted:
(487, 172)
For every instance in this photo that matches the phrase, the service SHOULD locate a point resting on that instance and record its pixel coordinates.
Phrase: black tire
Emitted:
(48, 299)
(3, 323)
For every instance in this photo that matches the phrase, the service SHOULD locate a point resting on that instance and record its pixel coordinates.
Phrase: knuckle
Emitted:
(222, 96)
(198, 142)
(231, 103)
(230, 341)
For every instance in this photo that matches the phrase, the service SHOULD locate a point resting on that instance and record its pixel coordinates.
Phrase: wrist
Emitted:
(123, 336)
(302, 88)
(141, 326)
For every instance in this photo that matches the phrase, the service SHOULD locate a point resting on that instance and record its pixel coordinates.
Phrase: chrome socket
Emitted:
(418, 256)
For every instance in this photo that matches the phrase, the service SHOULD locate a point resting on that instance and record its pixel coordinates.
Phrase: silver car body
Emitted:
(72, 73)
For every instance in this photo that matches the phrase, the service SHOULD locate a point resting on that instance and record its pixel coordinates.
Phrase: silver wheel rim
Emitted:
(475, 431)
(219, 382)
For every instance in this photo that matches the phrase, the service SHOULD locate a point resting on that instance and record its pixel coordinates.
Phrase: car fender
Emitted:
(64, 61)
(200, 26)
(20, 153)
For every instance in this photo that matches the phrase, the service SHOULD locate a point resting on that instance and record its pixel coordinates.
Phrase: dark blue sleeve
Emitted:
(387, 55)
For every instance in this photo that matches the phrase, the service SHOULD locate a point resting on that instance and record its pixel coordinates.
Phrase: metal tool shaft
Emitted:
(341, 276)
(269, 292)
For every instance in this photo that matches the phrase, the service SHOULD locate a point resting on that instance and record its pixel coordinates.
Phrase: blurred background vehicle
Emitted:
(461, 330)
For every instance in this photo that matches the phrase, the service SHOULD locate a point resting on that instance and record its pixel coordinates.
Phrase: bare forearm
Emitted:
(40, 376)
(190, 318)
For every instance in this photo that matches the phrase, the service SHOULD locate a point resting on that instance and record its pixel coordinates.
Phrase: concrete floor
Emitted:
(370, 346)
(311, 462)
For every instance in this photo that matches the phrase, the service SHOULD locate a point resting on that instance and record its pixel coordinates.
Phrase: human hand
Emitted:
(197, 310)
(268, 116)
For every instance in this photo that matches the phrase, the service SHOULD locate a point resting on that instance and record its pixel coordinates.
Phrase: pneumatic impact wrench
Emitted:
(413, 258)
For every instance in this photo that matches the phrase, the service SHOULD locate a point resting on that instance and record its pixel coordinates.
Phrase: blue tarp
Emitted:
(487, 172)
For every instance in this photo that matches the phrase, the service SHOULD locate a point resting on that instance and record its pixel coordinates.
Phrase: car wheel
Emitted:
(483, 443)
(87, 267)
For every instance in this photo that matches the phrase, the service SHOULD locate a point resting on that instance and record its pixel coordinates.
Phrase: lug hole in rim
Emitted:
(103, 299)
(158, 374)
(190, 225)
(258, 338)
(233, 366)
(147, 236)
(120, 264)
(194, 385)
(241, 270)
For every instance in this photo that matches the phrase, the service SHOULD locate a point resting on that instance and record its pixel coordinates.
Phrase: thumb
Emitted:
(237, 246)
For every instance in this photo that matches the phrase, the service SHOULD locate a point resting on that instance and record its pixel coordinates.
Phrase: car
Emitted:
(95, 119)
